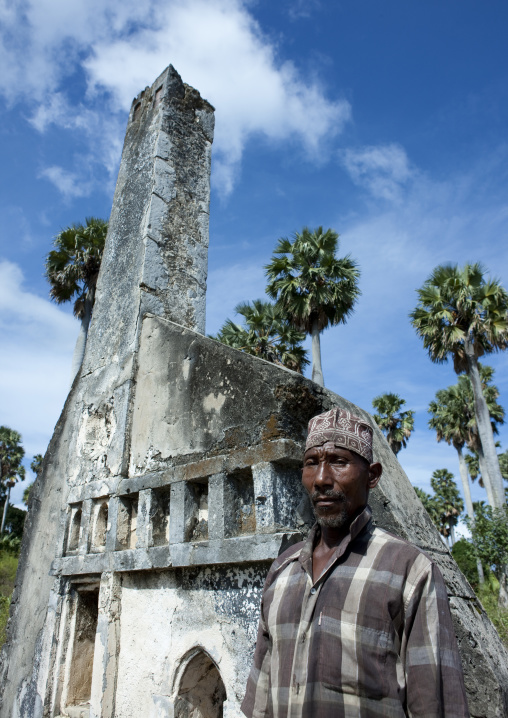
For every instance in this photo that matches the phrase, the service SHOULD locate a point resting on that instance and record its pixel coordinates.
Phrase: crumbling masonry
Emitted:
(172, 479)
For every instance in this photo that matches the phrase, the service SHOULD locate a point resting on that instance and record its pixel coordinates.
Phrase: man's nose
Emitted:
(323, 476)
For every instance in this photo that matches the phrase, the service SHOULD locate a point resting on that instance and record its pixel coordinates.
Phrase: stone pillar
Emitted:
(276, 506)
(216, 506)
(182, 505)
(107, 648)
(143, 529)
(86, 527)
(156, 253)
(111, 543)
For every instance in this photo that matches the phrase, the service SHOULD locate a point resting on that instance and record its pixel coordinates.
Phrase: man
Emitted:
(354, 621)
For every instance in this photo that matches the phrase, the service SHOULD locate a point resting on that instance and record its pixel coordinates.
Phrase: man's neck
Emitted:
(331, 537)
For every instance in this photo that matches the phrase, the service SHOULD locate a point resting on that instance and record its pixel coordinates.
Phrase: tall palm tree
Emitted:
(462, 314)
(72, 268)
(11, 466)
(265, 335)
(396, 425)
(312, 288)
(448, 501)
(452, 418)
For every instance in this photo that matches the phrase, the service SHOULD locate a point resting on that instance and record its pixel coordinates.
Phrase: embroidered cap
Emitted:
(343, 429)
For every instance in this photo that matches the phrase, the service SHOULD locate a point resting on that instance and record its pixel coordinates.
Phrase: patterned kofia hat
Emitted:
(344, 429)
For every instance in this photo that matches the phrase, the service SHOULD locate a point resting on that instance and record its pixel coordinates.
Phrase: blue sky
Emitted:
(384, 120)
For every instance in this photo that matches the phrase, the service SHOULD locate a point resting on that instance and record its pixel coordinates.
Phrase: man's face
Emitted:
(338, 482)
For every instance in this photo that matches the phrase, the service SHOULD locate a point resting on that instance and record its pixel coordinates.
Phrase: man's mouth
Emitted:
(328, 499)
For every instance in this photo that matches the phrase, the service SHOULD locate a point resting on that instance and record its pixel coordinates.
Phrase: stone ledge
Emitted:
(241, 549)
(280, 450)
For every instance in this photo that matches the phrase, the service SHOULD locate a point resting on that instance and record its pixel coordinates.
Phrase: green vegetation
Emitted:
(312, 288)
(462, 314)
(72, 269)
(465, 555)
(11, 466)
(266, 335)
(8, 567)
(396, 425)
(445, 505)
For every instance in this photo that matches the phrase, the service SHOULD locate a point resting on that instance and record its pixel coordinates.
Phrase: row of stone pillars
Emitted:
(248, 501)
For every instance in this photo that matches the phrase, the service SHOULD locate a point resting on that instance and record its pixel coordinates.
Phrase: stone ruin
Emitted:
(172, 479)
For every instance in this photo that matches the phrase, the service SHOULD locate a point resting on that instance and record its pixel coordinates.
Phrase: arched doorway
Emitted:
(201, 693)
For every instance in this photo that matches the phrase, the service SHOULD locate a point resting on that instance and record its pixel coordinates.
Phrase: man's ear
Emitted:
(375, 471)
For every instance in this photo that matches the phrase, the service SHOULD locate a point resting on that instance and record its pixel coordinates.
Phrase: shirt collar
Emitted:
(357, 526)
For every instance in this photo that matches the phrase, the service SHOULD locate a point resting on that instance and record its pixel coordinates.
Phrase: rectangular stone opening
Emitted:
(73, 529)
(158, 96)
(239, 513)
(99, 525)
(197, 522)
(79, 685)
(135, 114)
(159, 516)
(127, 522)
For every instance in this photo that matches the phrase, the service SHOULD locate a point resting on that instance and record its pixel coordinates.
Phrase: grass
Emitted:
(8, 566)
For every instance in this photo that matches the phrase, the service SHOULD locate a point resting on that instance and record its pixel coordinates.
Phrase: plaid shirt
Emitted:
(372, 637)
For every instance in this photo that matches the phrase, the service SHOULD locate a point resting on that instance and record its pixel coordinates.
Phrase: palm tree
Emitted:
(462, 314)
(452, 418)
(312, 288)
(11, 467)
(36, 466)
(265, 335)
(430, 506)
(448, 502)
(396, 425)
(72, 269)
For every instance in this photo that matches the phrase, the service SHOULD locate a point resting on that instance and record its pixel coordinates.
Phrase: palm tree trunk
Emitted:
(452, 535)
(485, 429)
(485, 476)
(469, 503)
(79, 349)
(503, 589)
(317, 371)
(6, 506)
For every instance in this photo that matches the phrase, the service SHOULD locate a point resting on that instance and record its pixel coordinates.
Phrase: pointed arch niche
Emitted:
(201, 691)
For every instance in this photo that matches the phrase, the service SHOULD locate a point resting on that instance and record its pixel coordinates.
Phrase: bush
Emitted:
(4, 615)
(464, 554)
(488, 595)
(8, 567)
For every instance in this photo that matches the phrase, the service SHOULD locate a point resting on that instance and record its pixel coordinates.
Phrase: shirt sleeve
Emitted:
(434, 678)
(256, 703)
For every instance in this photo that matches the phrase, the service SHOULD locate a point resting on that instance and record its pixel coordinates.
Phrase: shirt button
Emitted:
(313, 590)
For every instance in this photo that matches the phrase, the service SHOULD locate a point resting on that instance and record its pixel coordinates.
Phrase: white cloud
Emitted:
(382, 169)
(216, 45)
(69, 184)
(36, 344)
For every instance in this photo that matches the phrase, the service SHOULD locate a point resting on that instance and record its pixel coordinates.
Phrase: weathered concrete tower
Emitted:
(172, 479)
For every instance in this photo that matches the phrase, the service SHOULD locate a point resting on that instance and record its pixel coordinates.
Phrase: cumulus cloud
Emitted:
(382, 169)
(36, 344)
(119, 47)
(69, 184)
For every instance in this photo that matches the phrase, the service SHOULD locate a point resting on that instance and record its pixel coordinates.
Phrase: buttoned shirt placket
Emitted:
(299, 671)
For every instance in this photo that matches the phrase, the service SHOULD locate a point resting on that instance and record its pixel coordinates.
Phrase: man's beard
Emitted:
(335, 521)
